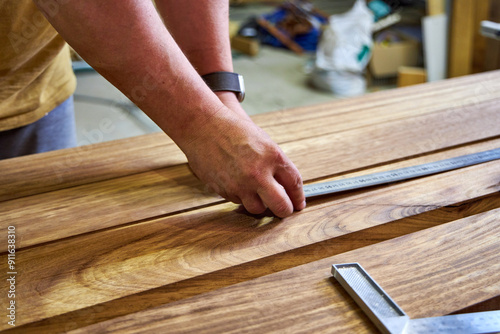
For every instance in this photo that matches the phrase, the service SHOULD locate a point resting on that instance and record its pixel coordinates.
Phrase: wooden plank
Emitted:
(163, 192)
(482, 13)
(436, 7)
(492, 52)
(67, 168)
(444, 90)
(246, 45)
(428, 273)
(23, 176)
(462, 38)
(58, 278)
(360, 148)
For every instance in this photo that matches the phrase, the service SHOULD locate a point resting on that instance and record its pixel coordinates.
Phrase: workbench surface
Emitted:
(121, 237)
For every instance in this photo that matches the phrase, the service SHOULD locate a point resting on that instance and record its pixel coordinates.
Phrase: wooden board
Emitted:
(110, 238)
(467, 45)
(411, 269)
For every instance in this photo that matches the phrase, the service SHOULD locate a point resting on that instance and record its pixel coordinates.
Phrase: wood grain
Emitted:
(412, 269)
(139, 257)
(261, 267)
(39, 173)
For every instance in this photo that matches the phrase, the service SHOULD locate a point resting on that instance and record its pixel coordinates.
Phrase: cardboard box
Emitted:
(387, 58)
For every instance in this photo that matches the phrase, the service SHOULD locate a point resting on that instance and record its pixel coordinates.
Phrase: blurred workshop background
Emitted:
(295, 53)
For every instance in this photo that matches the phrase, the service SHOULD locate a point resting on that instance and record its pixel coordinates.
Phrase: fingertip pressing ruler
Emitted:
(400, 174)
(390, 318)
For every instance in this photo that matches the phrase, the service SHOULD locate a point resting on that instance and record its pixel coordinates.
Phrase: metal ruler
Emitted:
(400, 174)
(390, 318)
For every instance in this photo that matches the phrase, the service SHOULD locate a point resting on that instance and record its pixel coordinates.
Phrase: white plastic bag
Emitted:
(345, 46)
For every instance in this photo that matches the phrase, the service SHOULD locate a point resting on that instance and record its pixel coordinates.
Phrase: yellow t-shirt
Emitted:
(35, 65)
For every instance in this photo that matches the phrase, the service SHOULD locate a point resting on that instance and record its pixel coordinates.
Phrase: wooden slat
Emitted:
(87, 164)
(428, 273)
(34, 174)
(478, 57)
(141, 196)
(461, 38)
(59, 277)
(436, 7)
(492, 51)
(344, 151)
(406, 102)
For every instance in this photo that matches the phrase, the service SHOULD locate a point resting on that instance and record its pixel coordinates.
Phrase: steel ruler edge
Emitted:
(406, 173)
(390, 318)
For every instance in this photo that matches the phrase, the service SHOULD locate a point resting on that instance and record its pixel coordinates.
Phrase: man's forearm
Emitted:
(126, 41)
(201, 29)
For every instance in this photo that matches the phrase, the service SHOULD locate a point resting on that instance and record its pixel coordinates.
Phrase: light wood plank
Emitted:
(34, 174)
(428, 273)
(479, 52)
(462, 38)
(59, 277)
(436, 7)
(344, 151)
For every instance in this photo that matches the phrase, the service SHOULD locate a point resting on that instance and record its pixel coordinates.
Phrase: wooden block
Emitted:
(428, 273)
(233, 28)
(249, 46)
(409, 76)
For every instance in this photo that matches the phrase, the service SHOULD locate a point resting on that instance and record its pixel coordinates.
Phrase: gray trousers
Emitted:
(54, 131)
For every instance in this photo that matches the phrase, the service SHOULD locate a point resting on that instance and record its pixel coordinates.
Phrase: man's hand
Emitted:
(240, 162)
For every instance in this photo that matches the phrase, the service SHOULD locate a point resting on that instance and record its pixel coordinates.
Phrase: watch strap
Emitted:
(225, 81)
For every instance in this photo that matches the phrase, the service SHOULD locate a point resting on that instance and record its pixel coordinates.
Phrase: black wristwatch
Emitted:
(226, 81)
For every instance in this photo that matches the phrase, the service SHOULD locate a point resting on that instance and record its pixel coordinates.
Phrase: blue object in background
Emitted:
(379, 8)
(308, 41)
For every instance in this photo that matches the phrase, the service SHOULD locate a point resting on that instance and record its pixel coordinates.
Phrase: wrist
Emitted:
(230, 100)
